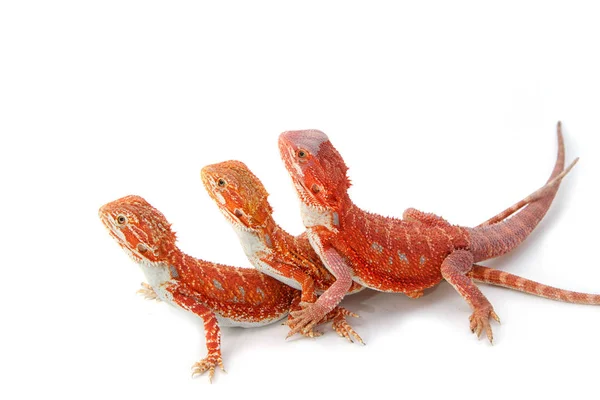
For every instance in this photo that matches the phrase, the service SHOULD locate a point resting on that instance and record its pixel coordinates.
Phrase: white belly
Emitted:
(223, 321)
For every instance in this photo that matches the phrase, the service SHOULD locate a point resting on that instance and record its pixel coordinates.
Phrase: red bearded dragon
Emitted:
(411, 254)
(219, 294)
(242, 199)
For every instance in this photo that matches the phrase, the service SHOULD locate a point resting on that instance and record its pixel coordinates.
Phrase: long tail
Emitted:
(538, 194)
(498, 235)
(496, 277)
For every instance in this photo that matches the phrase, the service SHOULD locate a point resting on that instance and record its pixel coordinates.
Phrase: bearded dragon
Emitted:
(242, 199)
(219, 294)
(411, 254)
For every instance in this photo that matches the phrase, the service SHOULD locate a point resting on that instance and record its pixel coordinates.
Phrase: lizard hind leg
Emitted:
(455, 269)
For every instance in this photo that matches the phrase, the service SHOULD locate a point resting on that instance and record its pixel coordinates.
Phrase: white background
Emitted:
(449, 107)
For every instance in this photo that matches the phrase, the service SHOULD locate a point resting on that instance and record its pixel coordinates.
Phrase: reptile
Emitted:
(414, 253)
(220, 295)
(243, 200)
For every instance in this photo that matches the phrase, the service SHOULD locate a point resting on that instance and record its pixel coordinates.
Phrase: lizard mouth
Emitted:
(118, 235)
(234, 218)
(307, 196)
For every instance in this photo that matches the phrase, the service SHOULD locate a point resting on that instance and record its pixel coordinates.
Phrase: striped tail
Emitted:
(496, 277)
(499, 235)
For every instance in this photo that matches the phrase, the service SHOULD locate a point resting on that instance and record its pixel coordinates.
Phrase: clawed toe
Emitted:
(304, 320)
(480, 322)
(344, 329)
(208, 364)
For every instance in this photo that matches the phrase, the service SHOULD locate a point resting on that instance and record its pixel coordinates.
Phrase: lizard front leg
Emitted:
(311, 314)
(454, 270)
(212, 333)
(337, 315)
(148, 292)
(307, 296)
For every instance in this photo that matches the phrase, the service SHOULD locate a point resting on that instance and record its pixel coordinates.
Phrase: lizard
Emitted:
(414, 253)
(220, 295)
(243, 200)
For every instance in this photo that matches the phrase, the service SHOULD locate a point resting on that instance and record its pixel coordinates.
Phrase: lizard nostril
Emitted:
(141, 248)
(237, 212)
(315, 188)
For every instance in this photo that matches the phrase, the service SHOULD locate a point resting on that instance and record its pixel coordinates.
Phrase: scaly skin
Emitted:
(219, 294)
(413, 254)
(242, 199)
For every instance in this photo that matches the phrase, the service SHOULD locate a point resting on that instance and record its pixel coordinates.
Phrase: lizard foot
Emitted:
(480, 321)
(208, 364)
(341, 326)
(312, 333)
(148, 292)
(305, 319)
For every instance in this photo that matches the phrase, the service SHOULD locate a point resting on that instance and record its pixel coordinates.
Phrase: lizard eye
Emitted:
(302, 153)
(221, 182)
(121, 220)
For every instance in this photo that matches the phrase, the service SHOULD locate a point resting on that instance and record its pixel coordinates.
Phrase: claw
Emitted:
(480, 321)
(207, 364)
(495, 316)
(311, 333)
(341, 326)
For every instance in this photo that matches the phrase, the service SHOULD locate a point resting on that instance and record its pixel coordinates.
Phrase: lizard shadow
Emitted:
(393, 309)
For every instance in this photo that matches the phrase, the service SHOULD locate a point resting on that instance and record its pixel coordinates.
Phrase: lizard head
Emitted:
(140, 229)
(317, 169)
(240, 195)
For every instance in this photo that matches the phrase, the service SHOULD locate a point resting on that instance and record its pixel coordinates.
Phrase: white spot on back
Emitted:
(402, 257)
(217, 284)
(377, 247)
